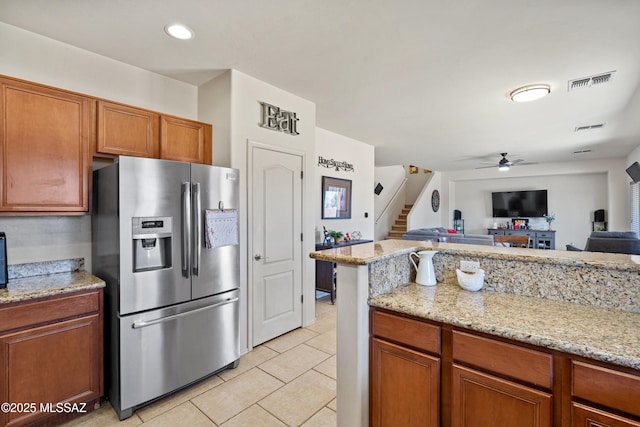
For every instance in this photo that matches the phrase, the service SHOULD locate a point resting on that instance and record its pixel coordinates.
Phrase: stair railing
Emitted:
(384, 211)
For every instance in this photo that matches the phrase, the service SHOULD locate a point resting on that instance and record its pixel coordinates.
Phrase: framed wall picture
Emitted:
(336, 198)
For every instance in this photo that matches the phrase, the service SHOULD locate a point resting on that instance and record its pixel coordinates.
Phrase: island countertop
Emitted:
(368, 253)
(597, 333)
(46, 285)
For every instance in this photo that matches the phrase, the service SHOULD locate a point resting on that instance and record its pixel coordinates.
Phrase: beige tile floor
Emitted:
(288, 381)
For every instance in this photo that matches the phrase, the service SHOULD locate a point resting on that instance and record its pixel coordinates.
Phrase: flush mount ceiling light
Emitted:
(530, 93)
(178, 31)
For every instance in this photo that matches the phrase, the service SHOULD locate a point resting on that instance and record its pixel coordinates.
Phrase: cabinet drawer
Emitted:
(527, 365)
(616, 390)
(544, 234)
(519, 233)
(420, 335)
(496, 232)
(585, 416)
(37, 312)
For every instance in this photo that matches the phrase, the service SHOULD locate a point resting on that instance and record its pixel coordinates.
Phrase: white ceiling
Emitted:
(425, 81)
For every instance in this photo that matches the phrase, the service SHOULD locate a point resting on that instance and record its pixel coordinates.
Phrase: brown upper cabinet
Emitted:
(185, 140)
(128, 131)
(48, 135)
(131, 131)
(44, 149)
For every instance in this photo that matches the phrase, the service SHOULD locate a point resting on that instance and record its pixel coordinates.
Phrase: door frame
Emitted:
(251, 145)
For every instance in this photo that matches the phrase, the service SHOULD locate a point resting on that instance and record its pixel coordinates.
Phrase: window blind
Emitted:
(635, 207)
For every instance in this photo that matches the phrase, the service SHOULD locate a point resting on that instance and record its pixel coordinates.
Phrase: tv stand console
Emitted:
(539, 239)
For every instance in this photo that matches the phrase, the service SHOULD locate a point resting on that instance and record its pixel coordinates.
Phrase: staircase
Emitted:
(400, 226)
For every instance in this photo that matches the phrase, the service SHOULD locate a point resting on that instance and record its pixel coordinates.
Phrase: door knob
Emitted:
(258, 257)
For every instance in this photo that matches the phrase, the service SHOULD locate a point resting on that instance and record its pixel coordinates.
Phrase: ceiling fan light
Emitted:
(530, 93)
(503, 168)
(178, 31)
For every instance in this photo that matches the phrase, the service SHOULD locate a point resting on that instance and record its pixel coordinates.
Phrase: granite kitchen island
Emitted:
(582, 304)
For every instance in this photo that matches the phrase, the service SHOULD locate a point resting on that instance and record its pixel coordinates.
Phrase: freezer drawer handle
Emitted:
(144, 324)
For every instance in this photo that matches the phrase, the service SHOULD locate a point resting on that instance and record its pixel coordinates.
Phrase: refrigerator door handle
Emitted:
(144, 323)
(186, 228)
(197, 219)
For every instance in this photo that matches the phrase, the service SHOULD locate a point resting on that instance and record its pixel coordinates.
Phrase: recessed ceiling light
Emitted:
(530, 93)
(178, 31)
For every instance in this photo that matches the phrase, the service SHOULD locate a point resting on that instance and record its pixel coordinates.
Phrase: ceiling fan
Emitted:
(504, 164)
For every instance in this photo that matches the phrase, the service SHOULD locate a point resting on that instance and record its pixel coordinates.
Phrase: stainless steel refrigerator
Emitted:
(165, 240)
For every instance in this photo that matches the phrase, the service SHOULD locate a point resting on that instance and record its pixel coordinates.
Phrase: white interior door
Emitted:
(276, 227)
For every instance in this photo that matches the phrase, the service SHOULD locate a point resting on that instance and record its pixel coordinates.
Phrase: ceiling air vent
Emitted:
(581, 128)
(590, 81)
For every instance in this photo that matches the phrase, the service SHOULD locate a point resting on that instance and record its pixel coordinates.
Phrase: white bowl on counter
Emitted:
(470, 281)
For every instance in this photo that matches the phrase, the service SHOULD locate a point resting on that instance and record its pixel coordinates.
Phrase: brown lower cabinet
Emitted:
(405, 375)
(481, 400)
(407, 387)
(51, 358)
(427, 373)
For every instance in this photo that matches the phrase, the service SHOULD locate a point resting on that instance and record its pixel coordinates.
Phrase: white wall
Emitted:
(422, 214)
(634, 156)
(330, 145)
(244, 112)
(214, 106)
(576, 189)
(416, 183)
(574, 212)
(31, 57)
(391, 178)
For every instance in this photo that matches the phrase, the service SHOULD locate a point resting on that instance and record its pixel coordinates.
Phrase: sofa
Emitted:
(439, 234)
(621, 242)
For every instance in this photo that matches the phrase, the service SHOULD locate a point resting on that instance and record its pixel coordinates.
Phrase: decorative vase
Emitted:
(425, 273)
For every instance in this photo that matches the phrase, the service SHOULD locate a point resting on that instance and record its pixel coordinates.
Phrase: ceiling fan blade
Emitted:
(503, 162)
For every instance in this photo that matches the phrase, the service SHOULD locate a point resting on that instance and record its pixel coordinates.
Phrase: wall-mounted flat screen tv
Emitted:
(511, 204)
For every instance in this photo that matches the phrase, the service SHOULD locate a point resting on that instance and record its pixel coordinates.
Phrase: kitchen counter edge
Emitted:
(48, 285)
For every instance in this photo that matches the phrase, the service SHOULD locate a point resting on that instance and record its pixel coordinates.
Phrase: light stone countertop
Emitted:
(27, 288)
(368, 253)
(597, 333)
